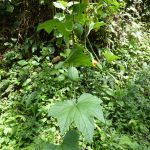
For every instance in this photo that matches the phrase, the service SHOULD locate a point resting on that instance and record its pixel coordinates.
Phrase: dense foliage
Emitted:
(77, 77)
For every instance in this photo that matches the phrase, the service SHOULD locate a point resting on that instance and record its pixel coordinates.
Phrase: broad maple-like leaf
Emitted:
(88, 107)
(81, 114)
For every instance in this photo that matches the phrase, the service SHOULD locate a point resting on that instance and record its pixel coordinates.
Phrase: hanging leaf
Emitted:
(91, 26)
(97, 25)
(110, 56)
(80, 18)
(65, 28)
(48, 26)
(77, 57)
(79, 8)
(10, 8)
(70, 141)
(78, 29)
(81, 114)
(73, 74)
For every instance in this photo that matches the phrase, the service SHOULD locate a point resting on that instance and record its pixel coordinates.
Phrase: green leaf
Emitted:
(80, 18)
(88, 107)
(78, 30)
(81, 114)
(64, 28)
(110, 56)
(48, 26)
(60, 4)
(35, 63)
(68, 110)
(125, 140)
(3, 85)
(70, 142)
(64, 5)
(59, 16)
(73, 74)
(44, 146)
(10, 8)
(91, 103)
(79, 8)
(97, 25)
(91, 26)
(69, 4)
(77, 57)
(22, 62)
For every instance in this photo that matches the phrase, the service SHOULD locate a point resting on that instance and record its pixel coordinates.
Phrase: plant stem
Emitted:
(92, 49)
(73, 19)
(74, 91)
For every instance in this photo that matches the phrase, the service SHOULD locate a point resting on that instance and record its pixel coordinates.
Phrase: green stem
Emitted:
(73, 19)
(86, 40)
(74, 91)
(92, 49)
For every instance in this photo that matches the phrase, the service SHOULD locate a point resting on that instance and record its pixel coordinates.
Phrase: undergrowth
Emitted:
(121, 80)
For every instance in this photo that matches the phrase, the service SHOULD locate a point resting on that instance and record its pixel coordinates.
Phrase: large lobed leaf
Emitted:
(77, 57)
(81, 114)
(64, 112)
